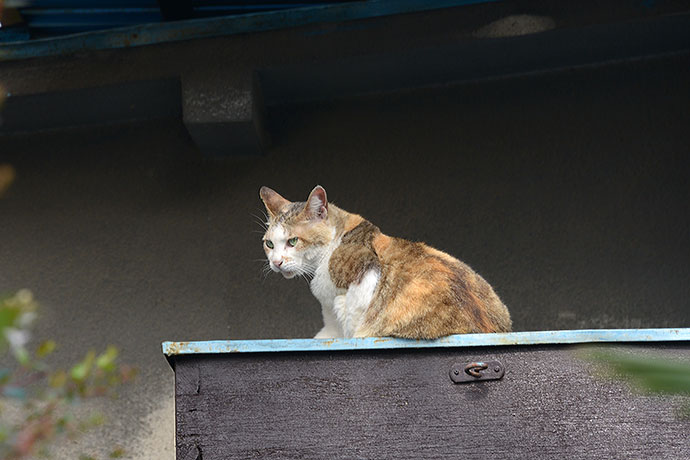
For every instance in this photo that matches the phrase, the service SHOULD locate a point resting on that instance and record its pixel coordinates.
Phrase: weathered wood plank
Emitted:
(402, 404)
(187, 377)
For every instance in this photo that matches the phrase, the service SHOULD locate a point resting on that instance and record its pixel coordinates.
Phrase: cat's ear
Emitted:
(317, 204)
(272, 200)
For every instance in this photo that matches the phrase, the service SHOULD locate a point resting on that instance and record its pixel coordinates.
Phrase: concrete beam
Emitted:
(224, 117)
(221, 120)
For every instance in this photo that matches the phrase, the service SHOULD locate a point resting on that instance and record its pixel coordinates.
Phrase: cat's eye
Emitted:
(292, 241)
(269, 244)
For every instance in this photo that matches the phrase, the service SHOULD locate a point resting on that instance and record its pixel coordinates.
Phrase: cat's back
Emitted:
(427, 293)
(421, 292)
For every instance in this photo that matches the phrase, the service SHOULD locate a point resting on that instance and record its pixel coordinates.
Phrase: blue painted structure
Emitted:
(160, 32)
(461, 340)
(50, 18)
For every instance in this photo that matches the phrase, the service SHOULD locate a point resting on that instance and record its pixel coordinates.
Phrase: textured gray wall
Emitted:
(568, 192)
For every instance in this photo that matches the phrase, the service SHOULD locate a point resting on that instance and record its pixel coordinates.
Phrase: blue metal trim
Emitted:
(148, 34)
(79, 11)
(462, 340)
(90, 3)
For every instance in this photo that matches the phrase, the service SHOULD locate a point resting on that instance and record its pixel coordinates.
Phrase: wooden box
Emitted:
(390, 398)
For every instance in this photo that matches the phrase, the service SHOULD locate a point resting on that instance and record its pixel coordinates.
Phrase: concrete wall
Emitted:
(567, 191)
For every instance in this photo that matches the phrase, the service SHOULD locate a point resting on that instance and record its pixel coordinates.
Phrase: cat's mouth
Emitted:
(287, 274)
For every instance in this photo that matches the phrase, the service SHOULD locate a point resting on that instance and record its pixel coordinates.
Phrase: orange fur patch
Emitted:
(381, 243)
(351, 221)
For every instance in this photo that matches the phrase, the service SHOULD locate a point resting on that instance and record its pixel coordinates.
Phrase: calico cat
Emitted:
(373, 285)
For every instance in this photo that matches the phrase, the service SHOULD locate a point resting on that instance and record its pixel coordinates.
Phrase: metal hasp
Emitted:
(477, 370)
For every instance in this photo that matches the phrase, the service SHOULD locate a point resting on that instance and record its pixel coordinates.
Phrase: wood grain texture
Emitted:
(402, 404)
(187, 380)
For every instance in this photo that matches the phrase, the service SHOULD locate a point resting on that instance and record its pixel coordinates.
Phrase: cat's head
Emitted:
(297, 232)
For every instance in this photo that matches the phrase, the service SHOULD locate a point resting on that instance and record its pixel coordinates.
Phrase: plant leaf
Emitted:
(46, 348)
(81, 371)
(106, 360)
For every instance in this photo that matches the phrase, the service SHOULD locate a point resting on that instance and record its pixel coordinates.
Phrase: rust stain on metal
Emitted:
(502, 340)
(184, 348)
(176, 348)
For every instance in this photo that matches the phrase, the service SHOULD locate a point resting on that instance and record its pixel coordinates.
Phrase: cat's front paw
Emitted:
(327, 333)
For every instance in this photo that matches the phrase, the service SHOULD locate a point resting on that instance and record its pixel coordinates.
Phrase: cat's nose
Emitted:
(278, 263)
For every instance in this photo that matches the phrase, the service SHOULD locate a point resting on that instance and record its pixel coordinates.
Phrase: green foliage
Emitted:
(117, 453)
(17, 313)
(46, 348)
(46, 395)
(651, 374)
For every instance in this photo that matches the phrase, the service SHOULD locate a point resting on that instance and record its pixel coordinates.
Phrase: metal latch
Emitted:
(477, 370)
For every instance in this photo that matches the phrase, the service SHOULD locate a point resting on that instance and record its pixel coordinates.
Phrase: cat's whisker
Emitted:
(264, 223)
(259, 220)
(304, 278)
(263, 226)
(265, 272)
(263, 229)
(265, 217)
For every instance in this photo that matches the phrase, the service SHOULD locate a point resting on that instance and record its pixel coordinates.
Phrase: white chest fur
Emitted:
(322, 286)
(343, 309)
(350, 309)
(324, 290)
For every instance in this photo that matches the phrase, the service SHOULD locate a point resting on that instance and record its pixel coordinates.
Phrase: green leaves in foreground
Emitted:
(652, 374)
(648, 373)
(94, 375)
(41, 395)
